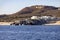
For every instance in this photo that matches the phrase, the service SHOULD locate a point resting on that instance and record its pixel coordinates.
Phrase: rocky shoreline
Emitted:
(8, 23)
(36, 20)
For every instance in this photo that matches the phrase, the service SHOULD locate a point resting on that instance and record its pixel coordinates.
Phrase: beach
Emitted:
(56, 23)
(5, 23)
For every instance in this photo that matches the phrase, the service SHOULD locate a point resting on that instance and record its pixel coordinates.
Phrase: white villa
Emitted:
(34, 17)
(43, 17)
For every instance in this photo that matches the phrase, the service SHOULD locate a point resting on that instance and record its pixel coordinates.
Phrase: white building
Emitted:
(34, 17)
(45, 17)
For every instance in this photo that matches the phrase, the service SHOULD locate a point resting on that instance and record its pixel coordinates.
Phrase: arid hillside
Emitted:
(36, 10)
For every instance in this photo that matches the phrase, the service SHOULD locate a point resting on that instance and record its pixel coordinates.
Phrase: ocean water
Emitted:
(29, 32)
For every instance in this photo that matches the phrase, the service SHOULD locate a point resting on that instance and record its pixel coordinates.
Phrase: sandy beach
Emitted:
(5, 23)
(56, 23)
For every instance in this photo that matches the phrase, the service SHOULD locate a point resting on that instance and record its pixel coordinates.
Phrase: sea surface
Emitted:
(29, 32)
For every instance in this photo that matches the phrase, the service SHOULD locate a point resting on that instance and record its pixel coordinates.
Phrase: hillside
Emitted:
(27, 12)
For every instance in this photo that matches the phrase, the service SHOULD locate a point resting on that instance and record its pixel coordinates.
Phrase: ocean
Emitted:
(30, 32)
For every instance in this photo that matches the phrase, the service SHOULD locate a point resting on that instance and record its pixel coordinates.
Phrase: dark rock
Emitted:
(31, 22)
(14, 23)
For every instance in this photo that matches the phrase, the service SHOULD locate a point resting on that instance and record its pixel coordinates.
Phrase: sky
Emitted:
(12, 6)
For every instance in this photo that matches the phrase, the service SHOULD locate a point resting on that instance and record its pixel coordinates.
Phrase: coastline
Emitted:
(8, 23)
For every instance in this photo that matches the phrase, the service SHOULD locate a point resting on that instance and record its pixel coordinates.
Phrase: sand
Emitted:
(5, 23)
(56, 23)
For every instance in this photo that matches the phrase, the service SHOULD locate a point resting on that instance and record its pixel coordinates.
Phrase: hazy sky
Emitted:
(12, 6)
